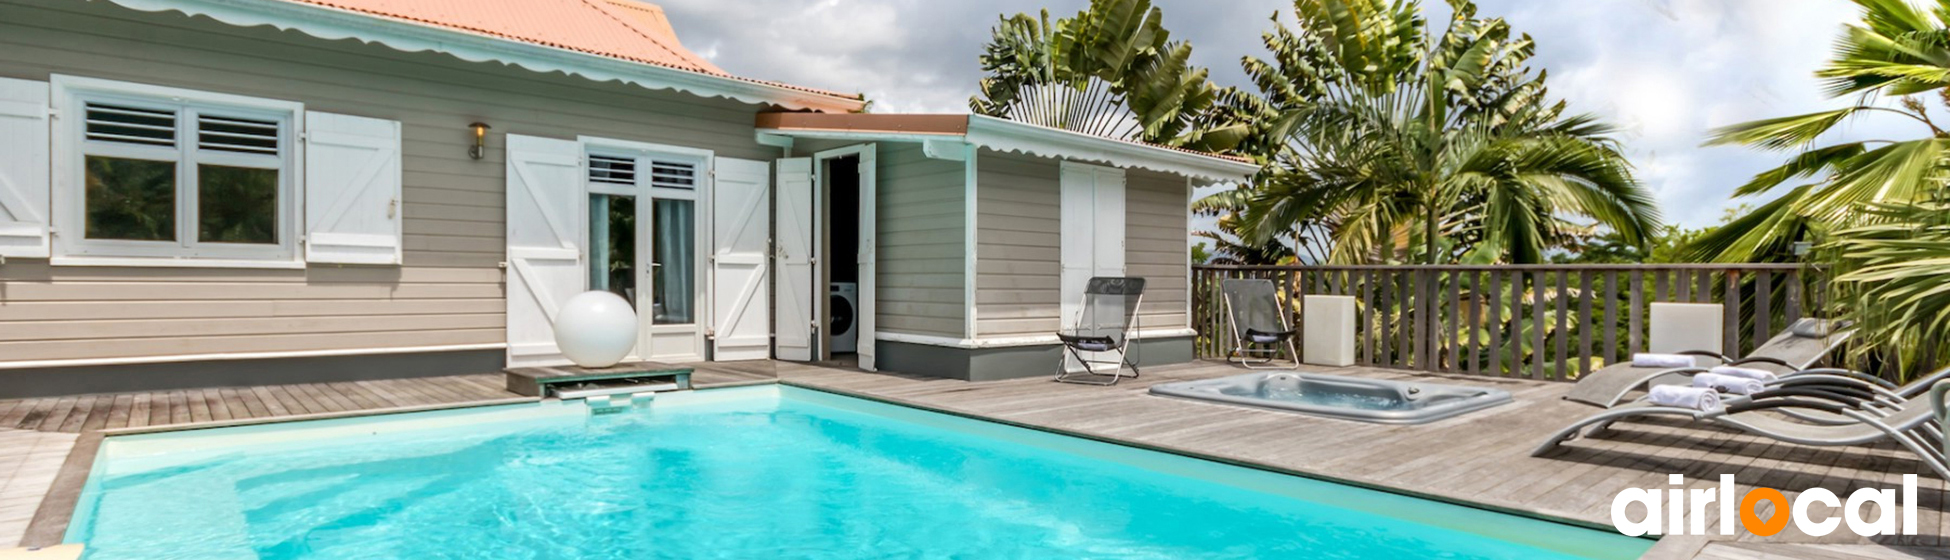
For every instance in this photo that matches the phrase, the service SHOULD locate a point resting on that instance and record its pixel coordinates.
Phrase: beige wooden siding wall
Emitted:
(1018, 239)
(450, 290)
(920, 269)
(1156, 229)
(1018, 225)
(920, 218)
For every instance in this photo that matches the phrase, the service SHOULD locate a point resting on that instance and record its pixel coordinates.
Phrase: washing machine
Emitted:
(845, 325)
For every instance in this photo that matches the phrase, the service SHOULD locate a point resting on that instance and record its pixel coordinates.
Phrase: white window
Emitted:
(148, 174)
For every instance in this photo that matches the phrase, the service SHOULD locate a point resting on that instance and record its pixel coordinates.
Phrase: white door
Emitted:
(1093, 232)
(740, 280)
(797, 303)
(864, 253)
(545, 209)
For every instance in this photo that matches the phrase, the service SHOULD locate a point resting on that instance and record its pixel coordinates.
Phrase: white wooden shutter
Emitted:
(352, 190)
(1109, 217)
(24, 165)
(546, 206)
(740, 280)
(794, 293)
(869, 250)
(1092, 225)
(1077, 208)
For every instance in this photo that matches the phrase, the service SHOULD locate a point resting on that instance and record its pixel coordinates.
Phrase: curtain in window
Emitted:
(675, 255)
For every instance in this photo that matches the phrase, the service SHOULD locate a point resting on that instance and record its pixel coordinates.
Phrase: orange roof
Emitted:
(623, 29)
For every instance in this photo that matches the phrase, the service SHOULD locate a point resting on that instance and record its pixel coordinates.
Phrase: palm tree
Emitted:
(1389, 138)
(1892, 273)
(1110, 71)
(1897, 52)
(1229, 245)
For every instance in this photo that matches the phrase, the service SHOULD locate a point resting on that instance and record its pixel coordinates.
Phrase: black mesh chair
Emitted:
(1101, 335)
(1259, 323)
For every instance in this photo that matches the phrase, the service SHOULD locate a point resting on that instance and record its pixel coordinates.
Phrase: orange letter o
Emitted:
(1750, 515)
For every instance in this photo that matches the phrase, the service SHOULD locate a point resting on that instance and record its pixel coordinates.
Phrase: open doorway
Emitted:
(843, 274)
(841, 176)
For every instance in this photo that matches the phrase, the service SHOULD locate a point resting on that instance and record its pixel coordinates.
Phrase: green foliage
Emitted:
(1230, 245)
(1391, 137)
(1897, 52)
(1894, 277)
(131, 199)
(1110, 70)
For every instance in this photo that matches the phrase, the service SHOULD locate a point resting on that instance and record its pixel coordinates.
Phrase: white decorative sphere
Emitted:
(595, 329)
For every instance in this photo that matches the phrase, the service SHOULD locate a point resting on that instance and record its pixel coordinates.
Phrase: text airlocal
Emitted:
(1680, 511)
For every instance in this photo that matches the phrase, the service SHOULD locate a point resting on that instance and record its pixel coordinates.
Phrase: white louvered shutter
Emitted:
(24, 182)
(352, 188)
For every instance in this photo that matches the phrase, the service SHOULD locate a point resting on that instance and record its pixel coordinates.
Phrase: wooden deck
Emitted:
(116, 411)
(1481, 458)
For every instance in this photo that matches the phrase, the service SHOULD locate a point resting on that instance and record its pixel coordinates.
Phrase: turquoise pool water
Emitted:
(762, 472)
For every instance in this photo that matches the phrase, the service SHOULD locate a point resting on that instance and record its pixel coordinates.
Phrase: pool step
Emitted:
(601, 391)
(549, 380)
(615, 403)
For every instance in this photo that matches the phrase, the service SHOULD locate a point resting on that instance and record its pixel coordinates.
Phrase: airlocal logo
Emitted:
(1678, 511)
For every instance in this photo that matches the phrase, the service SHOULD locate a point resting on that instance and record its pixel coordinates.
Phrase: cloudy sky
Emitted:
(1664, 70)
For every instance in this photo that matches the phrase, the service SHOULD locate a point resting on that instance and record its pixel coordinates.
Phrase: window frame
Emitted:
(72, 247)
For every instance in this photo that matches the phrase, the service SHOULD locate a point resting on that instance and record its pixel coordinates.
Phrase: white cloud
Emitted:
(1667, 71)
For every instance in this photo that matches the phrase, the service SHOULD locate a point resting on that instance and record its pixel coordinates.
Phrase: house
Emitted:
(209, 192)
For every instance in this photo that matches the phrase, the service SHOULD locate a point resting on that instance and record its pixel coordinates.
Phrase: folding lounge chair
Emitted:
(1916, 424)
(1796, 348)
(1102, 333)
(1258, 320)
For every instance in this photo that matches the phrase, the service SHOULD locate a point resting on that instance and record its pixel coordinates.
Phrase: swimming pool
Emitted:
(756, 472)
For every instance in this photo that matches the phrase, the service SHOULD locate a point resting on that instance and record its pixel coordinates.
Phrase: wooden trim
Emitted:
(951, 125)
(246, 356)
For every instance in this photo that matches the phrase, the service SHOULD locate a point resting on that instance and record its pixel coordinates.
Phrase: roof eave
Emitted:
(333, 24)
(1004, 135)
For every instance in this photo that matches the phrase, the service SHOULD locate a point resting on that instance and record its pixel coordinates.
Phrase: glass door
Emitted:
(675, 331)
(643, 244)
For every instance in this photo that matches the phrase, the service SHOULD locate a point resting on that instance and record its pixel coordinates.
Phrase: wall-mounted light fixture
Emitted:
(480, 141)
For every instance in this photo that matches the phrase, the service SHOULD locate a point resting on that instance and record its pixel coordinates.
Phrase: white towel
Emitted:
(1662, 360)
(1760, 375)
(1728, 384)
(1685, 397)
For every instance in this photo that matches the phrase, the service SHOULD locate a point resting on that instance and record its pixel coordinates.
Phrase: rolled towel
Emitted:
(1760, 375)
(1685, 397)
(1662, 360)
(1728, 384)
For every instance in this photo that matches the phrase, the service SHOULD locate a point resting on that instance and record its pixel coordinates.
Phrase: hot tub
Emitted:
(1353, 398)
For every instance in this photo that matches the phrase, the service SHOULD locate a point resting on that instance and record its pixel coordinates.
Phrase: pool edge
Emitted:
(1100, 438)
(51, 520)
(49, 526)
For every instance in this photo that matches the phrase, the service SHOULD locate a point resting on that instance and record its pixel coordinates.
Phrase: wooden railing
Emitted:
(1536, 321)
